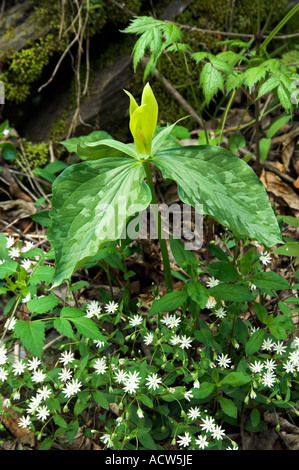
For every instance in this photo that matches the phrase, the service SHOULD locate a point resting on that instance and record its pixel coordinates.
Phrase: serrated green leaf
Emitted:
(32, 335)
(253, 75)
(42, 304)
(211, 81)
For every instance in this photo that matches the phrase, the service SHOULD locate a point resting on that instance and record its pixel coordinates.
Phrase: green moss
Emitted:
(37, 154)
(58, 129)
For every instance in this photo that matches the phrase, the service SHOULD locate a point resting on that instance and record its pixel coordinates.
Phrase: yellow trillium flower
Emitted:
(143, 120)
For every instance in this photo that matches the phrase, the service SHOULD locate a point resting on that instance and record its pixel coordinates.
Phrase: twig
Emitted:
(228, 33)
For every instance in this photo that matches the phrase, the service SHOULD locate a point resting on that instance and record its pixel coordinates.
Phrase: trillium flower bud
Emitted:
(143, 120)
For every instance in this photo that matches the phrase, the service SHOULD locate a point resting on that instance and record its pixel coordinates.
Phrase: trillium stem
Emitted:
(158, 222)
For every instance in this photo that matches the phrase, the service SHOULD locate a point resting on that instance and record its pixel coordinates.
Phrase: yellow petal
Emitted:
(133, 104)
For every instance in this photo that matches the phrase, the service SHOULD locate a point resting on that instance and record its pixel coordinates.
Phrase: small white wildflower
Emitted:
(28, 246)
(208, 424)
(265, 258)
(3, 374)
(24, 422)
(184, 441)
(26, 299)
(67, 357)
(188, 395)
(26, 264)
(202, 442)
(140, 413)
(6, 132)
(270, 364)
(100, 366)
(153, 381)
(289, 367)
(72, 388)
(38, 376)
(185, 342)
(33, 363)
(218, 432)
(252, 286)
(10, 323)
(6, 403)
(19, 367)
(65, 374)
(148, 339)
(3, 356)
(196, 384)
(175, 340)
(9, 242)
(14, 252)
(279, 348)
(34, 404)
(257, 366)
(42, 412)
(220, 312)
(211, 303)
(107, 440)
(268, 379)
(120, 376)
(212, 282)
(223, 360)
(193, 413)
(136, 320)
(93, 309)
(111, 307)
(267, 344)
(44, 393)
(99, 344)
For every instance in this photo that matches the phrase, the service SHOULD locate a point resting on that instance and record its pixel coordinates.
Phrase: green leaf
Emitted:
(84, 325)
(42, 218)
(246, 262)
(253, 75)
(90, 206)
(146, 400)
(284, 97)
(198, 293)
(228, 407)
(204, 335)
(9, 152)
(235, 379)
(255, 341)
(8, 268)
(183, 257)
(72, 144)
(211, 81)
(224, 271)
(106, 148)
(42, 304)
(268, 86)
(276, 125)
(255, 417)
(101, 399)
(206, 388)
(264, 148)
(64, 327)
(32, 335)
(42, 274)
(231, 292)
(169, 302)
(147, 441)
(226, 188)
(269, 280)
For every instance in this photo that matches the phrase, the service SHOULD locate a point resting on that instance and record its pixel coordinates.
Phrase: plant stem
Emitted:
(158, 222)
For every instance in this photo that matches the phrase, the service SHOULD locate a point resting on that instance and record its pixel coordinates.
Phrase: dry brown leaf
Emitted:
(11, 423)
(274, 185)
(18, 209)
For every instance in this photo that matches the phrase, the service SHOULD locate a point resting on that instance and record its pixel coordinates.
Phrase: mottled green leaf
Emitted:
(225, 186)
(90, 206)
